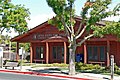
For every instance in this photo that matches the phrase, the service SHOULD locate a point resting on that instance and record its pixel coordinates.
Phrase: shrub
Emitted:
(117, 72)
(60, 65)
(51, 65)
(95, 68)
(78, 65)
(28, 57)
(116, 68)
(82, 66)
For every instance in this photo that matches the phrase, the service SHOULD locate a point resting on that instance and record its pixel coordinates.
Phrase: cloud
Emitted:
(38, 19)
(113, 18)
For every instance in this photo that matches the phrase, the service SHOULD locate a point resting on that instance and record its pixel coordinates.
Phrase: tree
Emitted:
(97, 10)
(13, 16)
(26, 46)
(5, 39)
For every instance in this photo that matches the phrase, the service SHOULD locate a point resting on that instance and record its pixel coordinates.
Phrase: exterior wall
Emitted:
(43, 33)
(52, 60)
(34, 50)
(50, 44)
(118, 54)
(97, 44)
(80, 50)
(115, 50)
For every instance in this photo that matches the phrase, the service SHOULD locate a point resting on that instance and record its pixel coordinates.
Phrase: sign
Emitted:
(45, 36)
(21, 51)
(1, 52)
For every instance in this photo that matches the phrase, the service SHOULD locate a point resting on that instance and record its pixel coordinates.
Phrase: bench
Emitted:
(37, 60)
(95, 62)
(11, 64)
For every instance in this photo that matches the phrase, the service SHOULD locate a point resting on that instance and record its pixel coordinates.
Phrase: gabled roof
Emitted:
(28, 32)
(17, 38)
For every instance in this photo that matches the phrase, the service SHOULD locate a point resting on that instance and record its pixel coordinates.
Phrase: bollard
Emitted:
(1, 62)
(112, 67)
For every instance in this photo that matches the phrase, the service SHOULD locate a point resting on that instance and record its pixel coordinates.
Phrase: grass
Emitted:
(82, 68)
(50, 65)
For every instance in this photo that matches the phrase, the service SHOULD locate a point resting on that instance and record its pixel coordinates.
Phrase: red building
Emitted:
(50, 45)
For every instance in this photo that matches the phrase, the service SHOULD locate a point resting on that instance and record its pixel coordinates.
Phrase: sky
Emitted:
(41, 12)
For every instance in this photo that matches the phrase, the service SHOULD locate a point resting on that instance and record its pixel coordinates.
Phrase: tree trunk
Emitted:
(72, 60)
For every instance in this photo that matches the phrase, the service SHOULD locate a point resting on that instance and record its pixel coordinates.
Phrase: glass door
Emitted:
(39, 52)
(58, 53)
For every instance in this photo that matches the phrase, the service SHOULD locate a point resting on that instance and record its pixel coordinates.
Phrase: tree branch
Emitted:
(66, 28)
(71, 19)
(81, 32)
(63, 22)
(81, 42)
(1, 30)
(79, 28)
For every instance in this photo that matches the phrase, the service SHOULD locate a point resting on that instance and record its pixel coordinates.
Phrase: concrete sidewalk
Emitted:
(56, 72)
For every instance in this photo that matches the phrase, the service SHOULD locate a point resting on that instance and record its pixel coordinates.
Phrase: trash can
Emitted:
(79, 58)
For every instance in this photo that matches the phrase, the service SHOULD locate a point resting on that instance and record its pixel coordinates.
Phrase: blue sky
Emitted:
(40, 6)
(40, 11)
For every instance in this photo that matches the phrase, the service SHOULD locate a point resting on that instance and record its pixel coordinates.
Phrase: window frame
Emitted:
(57, 49)
(93, 52)
(40, 54)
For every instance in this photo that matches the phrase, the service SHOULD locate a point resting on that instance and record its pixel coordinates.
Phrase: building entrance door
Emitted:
(58, 54)
(39, 52)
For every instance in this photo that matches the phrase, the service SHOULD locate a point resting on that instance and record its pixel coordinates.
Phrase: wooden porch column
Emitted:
(31, 53)
(85, 53)
(47, 52)
(17, 51)
(108, 53)
(65, 52)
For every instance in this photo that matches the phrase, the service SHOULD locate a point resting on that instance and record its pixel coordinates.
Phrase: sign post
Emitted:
(1, 57)
(21, 58)
(112, 67)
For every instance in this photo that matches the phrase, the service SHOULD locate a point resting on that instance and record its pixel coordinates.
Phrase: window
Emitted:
(90, 53)
(58, 52)
(39, 52)
(55, 52)
(96, 53)
(102, 53)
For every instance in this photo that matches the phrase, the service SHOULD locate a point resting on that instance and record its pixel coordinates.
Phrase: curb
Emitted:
(44, 74)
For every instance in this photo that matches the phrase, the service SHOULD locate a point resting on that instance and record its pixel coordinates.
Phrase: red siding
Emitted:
(80, 50)
(118, 54)
(113, 51)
